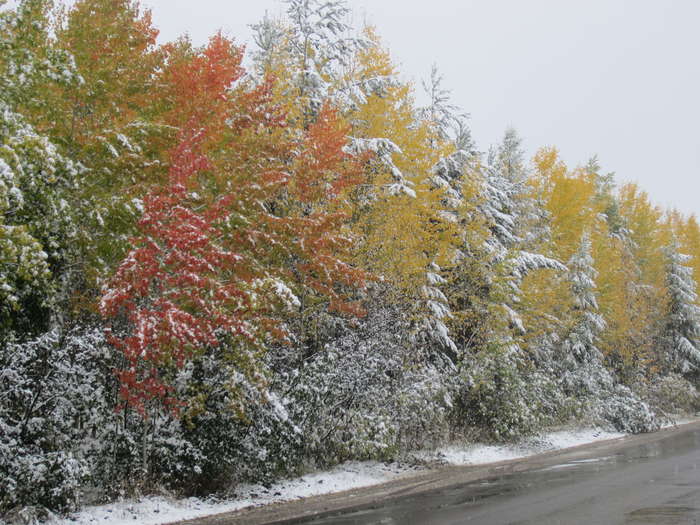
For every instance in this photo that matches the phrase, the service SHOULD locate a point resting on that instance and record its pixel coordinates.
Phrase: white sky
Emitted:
(617, 78)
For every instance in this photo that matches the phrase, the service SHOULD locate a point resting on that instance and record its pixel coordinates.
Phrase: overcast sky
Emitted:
(617, 78)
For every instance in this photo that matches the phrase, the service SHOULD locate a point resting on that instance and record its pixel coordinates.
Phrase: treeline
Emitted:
(212, 273)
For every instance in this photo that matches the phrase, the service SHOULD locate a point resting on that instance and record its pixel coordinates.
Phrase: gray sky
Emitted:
(617, 78)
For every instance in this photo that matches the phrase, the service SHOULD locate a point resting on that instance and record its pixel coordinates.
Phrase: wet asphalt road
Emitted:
(656, 483)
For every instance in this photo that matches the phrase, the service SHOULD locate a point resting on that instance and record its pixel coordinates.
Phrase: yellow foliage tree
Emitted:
(403, 231)
(568, 197)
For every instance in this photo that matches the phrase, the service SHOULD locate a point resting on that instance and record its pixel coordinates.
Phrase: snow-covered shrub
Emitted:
(61, 430)
(127, 453)
(207, 448)
(625, 411)
(368, 393)
(503, 397)
(670, 395)
(216, 446)
(62, 433)
(48, 396)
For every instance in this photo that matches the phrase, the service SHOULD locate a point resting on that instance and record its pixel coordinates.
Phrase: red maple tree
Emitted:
(249, 209)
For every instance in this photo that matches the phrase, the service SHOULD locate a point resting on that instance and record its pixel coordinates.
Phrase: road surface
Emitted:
(656, 483)
(646, 479)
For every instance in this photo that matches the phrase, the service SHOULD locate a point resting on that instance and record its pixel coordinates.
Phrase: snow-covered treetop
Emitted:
(317, 23)
(510, 157)
(318, 39)
(582, 276)
(269, 35)
(446, 116)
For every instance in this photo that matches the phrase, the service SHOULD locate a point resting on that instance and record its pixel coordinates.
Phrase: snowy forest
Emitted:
(222, 264)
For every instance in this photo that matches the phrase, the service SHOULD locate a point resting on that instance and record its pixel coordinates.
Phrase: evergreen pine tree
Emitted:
(679, 341)
(579, 358)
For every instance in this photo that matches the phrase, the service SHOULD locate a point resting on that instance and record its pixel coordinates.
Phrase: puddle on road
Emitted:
(577, 463)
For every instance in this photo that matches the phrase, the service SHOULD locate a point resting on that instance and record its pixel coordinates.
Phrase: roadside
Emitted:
(369, 497)
(358, 484)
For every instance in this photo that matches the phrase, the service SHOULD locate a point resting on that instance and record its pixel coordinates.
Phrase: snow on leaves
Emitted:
(36, 228)
(178, 288)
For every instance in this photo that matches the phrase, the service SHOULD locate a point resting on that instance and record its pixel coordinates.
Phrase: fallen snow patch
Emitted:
(480, 454)
(567, 439)
(155, 510)
(678, 422)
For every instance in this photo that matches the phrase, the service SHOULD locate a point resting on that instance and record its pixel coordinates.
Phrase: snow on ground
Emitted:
(156, 510)
(567, 439)
(478, 454)
(679, 421)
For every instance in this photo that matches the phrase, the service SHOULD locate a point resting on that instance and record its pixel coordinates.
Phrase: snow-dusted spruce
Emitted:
(447, 177)
(578, 358)
(432, 331)
(679, 340)
(516, 226)
(451, 125)
(578, 363)
(514, 217)
(503, 392)
(320, 45)
(442, 113)
(269, 36)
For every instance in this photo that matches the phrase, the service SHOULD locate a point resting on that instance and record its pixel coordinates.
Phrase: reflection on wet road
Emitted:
(656, 483)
